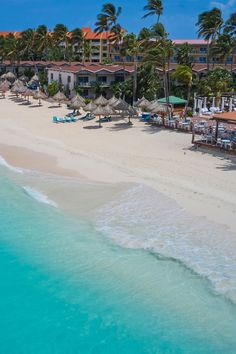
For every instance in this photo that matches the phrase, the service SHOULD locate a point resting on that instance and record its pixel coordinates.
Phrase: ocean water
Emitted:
(68, 288)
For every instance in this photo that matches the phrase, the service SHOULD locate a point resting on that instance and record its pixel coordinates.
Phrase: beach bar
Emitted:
(222, 135)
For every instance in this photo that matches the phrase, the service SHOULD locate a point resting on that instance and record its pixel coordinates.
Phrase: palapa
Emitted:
(101, 100)
(90, 107)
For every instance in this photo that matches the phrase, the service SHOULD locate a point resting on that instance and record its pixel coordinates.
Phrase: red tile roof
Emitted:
(89, 34)
(94, 68)
(190, 41)
(6, 33)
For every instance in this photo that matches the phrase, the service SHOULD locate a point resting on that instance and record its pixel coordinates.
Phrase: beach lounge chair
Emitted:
(73, 119)
(55, 120)
(61, 120)
(105, 119)
(89, 117)
(84, 117)
(68, 119)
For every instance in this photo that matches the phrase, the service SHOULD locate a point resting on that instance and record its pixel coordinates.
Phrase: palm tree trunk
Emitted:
(208, 56)
(135, 81)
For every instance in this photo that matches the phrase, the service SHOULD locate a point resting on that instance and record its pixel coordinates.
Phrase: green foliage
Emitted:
(216, 82)
(43, 78)
(53, 88)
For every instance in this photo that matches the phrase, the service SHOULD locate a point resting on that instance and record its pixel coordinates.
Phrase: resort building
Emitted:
(89, 77)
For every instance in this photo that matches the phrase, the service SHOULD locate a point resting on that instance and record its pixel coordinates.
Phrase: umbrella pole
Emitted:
(100, 125)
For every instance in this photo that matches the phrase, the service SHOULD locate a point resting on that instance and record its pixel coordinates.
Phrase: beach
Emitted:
(201, 182)
(119, 239)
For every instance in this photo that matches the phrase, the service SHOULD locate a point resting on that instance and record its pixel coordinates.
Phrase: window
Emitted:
(117, 58)
(83, 79)
(51, 76)
(96, 41)
(128, 58)
(60, 80)
(203, 49)
(68, 79)
(102, 79)
(202, 60)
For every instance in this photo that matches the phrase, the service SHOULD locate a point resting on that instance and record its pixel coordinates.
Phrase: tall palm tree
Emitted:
(154, 7)
(76, 41)
(44, 43)
(61, 37)
(183, 54)
(12, 48)
(210, 24)
(223, 47)
(230, 29)
(107, 20)
(158, 55)
(184, 74)
(133, 47)
(28, 42)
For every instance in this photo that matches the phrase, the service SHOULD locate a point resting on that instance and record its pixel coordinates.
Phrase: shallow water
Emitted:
(65, 288)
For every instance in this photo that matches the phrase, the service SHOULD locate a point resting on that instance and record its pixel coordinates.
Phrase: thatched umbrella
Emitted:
(23, 78)
(77, 104)
(131, 112)
(160, 109)
(3, 76)
(28, 93)
(109, 110)
(139, 101)
(101, 101)
(100, 111)
(77, 97)
(143, 104)
(10, 76)
(120, 105)
(112, 100)
(90, 107)
(59, 97)
(39, 95)
(4, 86)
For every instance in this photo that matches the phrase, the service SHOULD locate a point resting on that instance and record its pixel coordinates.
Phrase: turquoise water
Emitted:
(66, 289)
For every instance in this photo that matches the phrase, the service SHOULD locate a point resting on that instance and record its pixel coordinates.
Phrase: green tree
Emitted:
(61, 38)
(153, 7)
(210, 24)
(184, 75)
(230, 29)
(183, 54)
(223, 47)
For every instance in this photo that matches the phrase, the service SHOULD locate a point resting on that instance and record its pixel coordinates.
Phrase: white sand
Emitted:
(203, 183)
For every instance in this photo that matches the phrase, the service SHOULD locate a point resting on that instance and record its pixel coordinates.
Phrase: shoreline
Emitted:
(203, 184)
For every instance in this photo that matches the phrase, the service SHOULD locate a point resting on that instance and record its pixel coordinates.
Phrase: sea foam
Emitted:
(4, 163)
(39, 196)
(143, 218)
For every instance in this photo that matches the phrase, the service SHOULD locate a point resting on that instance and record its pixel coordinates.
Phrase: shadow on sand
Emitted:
(223, 156)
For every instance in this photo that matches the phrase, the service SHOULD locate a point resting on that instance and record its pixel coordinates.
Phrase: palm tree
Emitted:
(158, 55)
(154, 7)
(28, 42)
(76, 40)
(44, 43)
(61, 37)
(230, 29)
(184, 74)
(107, 19)
(183, 53)
(12, 48)
(210, 24)
(223, 48)
(133, 46)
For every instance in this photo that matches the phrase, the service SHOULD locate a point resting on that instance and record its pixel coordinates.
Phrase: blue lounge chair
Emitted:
(55, 120)
(105, 119)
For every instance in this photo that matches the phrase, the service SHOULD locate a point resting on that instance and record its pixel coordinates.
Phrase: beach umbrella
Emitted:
(4, 86)
(131, 112)
(90, 107)
(143, 104)
(77, 97)
(101, 101)
(39, 95)
(109, 110)
(10, 76)
(3, 76)
(100, 111)
(23, 78)
(77, 104)
(120, 105)
(112, 100)
(59, 97)
(140, 101)
(28, 93)
(159, 108)
(35, 78)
